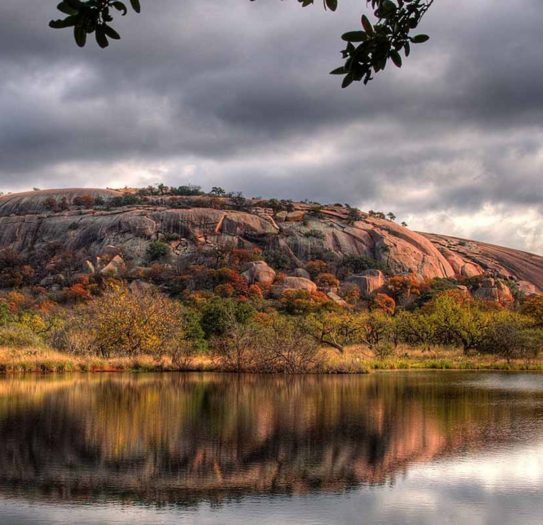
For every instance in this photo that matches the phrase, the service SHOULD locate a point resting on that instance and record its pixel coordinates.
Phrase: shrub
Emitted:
(288, 348)
(383, 302)
(511, 336)
(124, 323)
(316, 267)
(157, 250)
(384, 350)
(277, 259)
(327, 280)
(238, 350)
(15, 335)
(314, 234)
(219, 316)
(358, 263)
(333, 329)
(188, 190)
(533, 307)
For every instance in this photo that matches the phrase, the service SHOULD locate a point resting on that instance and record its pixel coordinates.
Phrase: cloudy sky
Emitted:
(237, 94)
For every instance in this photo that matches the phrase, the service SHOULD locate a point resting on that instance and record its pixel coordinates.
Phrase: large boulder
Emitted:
(337, 299)
(368, 281)
(527, 288)
(293, 283)
(301, 272)
(491, 289)
(259, 273)
(116, 267)
(295, 216)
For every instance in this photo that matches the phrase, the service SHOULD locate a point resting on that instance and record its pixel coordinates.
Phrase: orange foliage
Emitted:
(78, 292)
(404, 285)
(255, 292)
(384, 302)
(327, 280)
(224, 290)
(315, 267)
(240, 256)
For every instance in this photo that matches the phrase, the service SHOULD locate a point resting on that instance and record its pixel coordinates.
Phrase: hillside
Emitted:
(88, 228)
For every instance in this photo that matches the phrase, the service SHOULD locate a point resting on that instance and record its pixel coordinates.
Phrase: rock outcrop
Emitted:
(367, 282)
(293, 283)
(494, 290)
(36, 222)
(259, 272)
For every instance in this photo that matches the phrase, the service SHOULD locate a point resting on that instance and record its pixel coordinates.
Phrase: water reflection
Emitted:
(185, 439)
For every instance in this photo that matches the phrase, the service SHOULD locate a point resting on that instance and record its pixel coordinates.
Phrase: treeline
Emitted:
(250, 335)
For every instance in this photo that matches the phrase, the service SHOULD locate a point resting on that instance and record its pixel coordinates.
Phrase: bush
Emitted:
(157, 250)
(277, 259)
(219, 316)
(316, 267)
(288, 348)
(327, 280)
(16, 335)
(352, 264)
(279, 346)
(533, 307)
(314, 234)
(124, 323)
(511, 336)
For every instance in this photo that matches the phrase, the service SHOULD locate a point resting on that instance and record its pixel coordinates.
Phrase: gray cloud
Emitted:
(212, 93)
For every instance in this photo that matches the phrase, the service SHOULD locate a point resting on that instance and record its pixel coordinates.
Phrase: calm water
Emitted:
(396, 448)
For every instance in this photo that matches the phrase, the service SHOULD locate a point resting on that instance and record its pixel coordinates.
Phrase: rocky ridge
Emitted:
(30, 222)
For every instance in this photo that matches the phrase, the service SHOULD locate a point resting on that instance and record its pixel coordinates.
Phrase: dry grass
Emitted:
(43, 360)
(354, 360)
(437, 358)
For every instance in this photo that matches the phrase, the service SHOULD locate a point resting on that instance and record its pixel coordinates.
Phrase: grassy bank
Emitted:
(43, 360)
(354, 360)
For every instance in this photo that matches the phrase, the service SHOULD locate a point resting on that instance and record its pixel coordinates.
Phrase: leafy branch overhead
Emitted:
(92, 16)
(368, 49)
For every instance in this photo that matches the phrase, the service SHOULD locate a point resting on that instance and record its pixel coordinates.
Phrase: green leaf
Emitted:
(120, 6)
(67, 8)
(420, 39)
(111, 33)
(101, 38)
(61, 24)
(366, 24)
(347, 81)
(331, 4)
(136, 5)
(354, 36)
(339, 71)
(396, 58)
(80, 36)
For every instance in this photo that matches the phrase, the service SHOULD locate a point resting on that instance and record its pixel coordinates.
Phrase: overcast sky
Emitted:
(237, 94)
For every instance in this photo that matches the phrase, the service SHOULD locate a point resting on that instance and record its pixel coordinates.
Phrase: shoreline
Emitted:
(353, 361)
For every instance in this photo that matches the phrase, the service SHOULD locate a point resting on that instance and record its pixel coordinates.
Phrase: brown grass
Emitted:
(354, 360)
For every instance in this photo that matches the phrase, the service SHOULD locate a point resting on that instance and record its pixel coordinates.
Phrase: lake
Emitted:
(386, 448)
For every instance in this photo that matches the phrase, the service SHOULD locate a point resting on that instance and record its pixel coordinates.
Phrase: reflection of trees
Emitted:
(163, 438)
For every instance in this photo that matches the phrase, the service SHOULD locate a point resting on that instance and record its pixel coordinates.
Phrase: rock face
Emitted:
(301, 272)
(30, 224)
(293, 283)
(259, 273)
(368, 282)
(492, 290)
(115, 267)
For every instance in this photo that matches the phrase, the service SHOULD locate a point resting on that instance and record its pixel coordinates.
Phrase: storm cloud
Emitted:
(238, 95)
